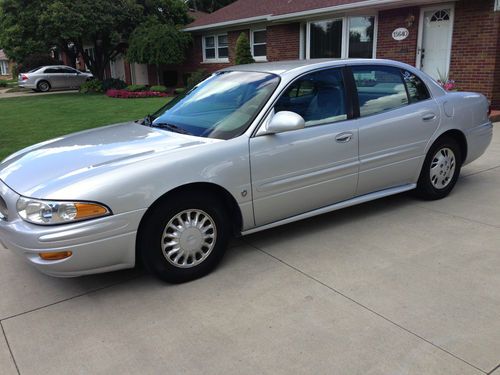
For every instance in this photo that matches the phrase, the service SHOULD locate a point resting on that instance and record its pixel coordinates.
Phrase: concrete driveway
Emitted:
(396, 286)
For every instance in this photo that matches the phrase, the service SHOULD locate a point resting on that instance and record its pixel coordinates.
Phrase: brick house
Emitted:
(459, 39)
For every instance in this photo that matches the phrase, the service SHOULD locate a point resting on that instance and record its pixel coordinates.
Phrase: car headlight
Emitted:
(53, 212)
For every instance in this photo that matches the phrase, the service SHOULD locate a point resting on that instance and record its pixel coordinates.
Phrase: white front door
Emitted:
(434, 50)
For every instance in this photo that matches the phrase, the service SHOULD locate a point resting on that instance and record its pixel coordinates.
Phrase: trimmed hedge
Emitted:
(158, 88)
(135, 88)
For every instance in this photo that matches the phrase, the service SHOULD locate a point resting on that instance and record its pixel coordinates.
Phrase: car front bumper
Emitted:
(99, 245)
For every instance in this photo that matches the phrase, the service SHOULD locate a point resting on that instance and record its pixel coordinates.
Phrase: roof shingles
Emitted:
(242, 9)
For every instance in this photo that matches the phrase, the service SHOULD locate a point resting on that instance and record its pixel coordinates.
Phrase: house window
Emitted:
(347, 37)
(4, 68)
(497, 5)
(216, 48)
(361, 32)
(259, 44)
(326, 39)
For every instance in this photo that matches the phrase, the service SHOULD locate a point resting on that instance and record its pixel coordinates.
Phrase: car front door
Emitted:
(302, 170)
(397, 119)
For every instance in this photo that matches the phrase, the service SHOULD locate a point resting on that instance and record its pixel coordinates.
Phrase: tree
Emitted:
(105, 25)
(208, 6)
(243, 53)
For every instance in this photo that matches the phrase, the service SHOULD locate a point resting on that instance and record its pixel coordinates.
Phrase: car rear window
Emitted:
(380, 89)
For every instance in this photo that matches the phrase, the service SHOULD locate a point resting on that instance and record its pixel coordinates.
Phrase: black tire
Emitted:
(428, 187)
(151, 241)
(43, 86)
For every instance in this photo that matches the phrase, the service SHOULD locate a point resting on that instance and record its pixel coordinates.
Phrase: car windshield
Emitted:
(222, 106)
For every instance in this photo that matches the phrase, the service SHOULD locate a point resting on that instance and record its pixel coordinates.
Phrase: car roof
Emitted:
(281, 67)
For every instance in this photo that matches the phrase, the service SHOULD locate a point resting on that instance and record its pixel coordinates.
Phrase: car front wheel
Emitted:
(184, 238)
(440, 170)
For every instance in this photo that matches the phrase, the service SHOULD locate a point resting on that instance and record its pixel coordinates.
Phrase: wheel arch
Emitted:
(216, 190)
(458, 136)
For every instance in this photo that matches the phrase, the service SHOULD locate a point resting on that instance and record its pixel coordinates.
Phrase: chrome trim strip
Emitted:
(334, 207)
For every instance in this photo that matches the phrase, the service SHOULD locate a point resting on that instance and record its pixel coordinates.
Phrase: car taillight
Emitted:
(24, 77)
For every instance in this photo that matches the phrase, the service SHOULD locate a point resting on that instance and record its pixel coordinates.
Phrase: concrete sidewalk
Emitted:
(26, 94)
(395, 286)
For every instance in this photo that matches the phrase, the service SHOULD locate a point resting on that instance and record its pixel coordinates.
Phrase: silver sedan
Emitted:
(250, 148)
(53, 77)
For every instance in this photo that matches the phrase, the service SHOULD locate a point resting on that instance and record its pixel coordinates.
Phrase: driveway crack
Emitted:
(496, 368)
(10, 350)
(367, 308)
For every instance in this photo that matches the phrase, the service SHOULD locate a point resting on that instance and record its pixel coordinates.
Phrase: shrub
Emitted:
(243, 53)
(125, 94)
(37, 60)
(180, 90)
(135, 88)
(91, 87)
(158, 88)
(113, 83)
(3, 84)
(195, 78)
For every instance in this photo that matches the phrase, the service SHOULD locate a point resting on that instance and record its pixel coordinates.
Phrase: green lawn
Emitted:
(28, 120)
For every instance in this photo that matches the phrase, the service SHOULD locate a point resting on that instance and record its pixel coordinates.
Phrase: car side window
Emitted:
(380, 89)
(318, 97)
(50, 70)
(417, 90)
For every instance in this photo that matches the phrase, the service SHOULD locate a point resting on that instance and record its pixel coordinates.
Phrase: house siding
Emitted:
(388, 48)
(475, 52)
(283, 42)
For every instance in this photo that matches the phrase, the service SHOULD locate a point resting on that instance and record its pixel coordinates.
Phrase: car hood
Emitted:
(65, 160)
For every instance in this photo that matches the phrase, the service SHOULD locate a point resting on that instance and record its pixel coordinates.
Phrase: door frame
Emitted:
(420, 39)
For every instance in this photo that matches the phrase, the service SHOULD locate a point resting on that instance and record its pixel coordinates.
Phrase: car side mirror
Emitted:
(285, 121)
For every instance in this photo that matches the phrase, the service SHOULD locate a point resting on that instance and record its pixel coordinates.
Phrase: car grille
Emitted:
(3, 209)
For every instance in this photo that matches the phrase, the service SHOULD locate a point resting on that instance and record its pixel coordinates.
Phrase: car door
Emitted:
(397, 118)
(69, 78)
(302, 170)
(52, 75)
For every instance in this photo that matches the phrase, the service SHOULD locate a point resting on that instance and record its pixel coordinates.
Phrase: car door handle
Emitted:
(343, 137)
(429, 117)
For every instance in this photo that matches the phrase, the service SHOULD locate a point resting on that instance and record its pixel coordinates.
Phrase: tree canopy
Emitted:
(208, 6)
(109, 26)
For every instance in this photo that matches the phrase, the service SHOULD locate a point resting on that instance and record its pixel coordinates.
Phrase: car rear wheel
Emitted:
(440, 170)
(43, 86)
(183, 238)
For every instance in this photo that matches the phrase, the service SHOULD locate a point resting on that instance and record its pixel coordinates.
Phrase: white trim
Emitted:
(230, 23)
(216, 59)
(420, 39)
(252, 43)
(302, 36)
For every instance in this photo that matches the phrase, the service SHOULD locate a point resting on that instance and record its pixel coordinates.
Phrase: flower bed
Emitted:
(125, 94)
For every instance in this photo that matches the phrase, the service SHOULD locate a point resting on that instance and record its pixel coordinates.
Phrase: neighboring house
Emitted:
(5, 66)
(455, 39)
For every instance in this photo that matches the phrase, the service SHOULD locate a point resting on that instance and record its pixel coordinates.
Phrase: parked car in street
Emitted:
(250, 148)
(46, 78)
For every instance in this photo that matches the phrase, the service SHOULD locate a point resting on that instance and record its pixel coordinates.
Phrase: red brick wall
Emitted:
(475, 53)
(283, 42)
(388, 48)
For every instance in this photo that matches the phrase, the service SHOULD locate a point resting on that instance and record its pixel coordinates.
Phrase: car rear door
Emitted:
(397, 118)
(302, 170)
